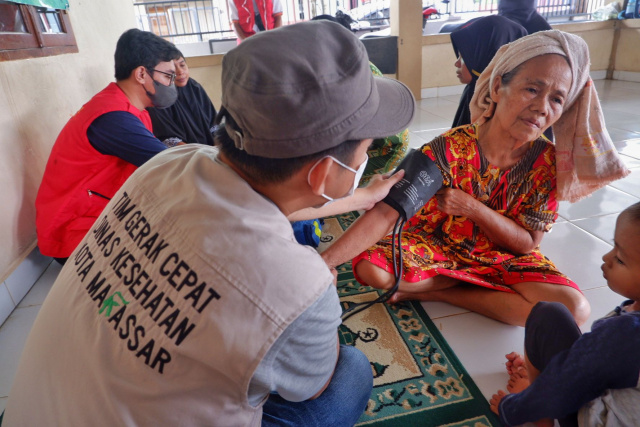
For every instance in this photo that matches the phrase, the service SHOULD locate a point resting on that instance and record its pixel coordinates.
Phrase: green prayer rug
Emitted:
(418, 380)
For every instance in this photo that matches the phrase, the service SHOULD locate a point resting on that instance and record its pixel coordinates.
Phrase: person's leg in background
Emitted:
(341, 404)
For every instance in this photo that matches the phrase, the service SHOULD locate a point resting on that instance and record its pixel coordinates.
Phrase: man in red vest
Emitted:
(252, 16)
(104, 142)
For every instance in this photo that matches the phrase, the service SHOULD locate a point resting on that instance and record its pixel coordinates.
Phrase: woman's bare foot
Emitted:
(426, 290)
(420, 296)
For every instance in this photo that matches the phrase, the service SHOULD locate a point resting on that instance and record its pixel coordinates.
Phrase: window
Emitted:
(34, 31)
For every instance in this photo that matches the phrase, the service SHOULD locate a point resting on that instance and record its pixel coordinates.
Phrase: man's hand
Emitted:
(335, 275)
(362, 199)
(377, 189)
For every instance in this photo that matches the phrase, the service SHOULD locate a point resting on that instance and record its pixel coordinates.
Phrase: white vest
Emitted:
(168, 305)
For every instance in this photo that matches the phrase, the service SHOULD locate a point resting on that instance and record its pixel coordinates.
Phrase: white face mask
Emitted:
(356, 180)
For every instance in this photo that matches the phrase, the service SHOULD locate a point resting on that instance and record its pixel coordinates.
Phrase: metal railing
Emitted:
(189, 21)
(552, 10)
(185, 21)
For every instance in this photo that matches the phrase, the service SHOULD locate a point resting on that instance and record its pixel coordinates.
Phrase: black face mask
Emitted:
(164, 97)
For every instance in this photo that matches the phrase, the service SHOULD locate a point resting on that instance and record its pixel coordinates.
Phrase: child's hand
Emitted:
(495, 401)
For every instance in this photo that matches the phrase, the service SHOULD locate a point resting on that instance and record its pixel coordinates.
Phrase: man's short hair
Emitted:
(266, 170)
(137, 48)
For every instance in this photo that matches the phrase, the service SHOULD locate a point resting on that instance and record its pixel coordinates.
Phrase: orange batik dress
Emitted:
(436, 243)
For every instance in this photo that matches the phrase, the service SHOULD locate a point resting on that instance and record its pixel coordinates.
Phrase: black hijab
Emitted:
(190, 118)
(524, 13)
(477, 42)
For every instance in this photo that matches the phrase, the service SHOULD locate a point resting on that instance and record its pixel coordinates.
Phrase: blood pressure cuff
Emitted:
(422, 179)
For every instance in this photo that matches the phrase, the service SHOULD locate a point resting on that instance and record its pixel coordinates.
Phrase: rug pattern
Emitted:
(417, 378)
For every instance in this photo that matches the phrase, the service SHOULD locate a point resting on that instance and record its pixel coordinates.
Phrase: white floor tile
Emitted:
(576, 253)
(452, 98)
(630, 162)
(629, 184)
(630, 147)
(6, 304)
(439, 107)
(419, 138)
(424, 120)
(13, 336)
(39, 292)
(618, 135)
(605, 201)
(481, 344)
(618, 119)
(23, 277)
(602, 301)
(602, 227)
(436, 310)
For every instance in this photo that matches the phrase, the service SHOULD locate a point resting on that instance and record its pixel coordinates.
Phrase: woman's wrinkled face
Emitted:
(182, 72)
(534, 97)
(462, 71)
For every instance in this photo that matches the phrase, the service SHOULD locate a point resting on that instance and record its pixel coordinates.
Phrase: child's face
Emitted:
(621, 266)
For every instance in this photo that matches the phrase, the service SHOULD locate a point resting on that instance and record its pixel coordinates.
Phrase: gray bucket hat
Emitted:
(304, 88)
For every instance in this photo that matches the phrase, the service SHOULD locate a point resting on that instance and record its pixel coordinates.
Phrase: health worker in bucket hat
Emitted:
(299, 109)
(303, 90)
(205, 305)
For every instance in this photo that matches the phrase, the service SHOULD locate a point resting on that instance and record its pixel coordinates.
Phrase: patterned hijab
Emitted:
(586, 158)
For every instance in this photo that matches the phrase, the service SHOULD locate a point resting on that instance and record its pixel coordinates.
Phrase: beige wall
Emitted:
(437, 62)
(599, 36)
(438, 57)
(627, 57)
(207, 70)
(37, 97)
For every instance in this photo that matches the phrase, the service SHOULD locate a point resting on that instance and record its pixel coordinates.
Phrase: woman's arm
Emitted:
(362, 234)
(500, 229)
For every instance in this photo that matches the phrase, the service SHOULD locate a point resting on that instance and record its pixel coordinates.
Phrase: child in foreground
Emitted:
(585, 380)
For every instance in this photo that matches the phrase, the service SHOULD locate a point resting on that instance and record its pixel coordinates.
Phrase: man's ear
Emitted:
(140, 74)
(495, 87)
(318, 175)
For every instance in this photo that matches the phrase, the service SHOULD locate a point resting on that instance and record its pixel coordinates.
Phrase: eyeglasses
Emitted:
(172, 76)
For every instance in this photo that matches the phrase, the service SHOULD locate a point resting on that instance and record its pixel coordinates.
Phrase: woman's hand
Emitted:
(500, 229)
(454, 201)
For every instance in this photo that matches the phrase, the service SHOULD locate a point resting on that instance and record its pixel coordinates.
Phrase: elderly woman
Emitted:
(475, 244)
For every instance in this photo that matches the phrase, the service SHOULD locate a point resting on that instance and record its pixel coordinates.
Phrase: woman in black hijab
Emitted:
(475, 43)
(524, 13)
(190, 119)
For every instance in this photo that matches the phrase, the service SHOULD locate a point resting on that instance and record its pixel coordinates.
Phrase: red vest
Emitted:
(246, 14)
(78, 180)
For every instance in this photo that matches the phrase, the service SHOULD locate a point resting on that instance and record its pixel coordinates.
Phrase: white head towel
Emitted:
(586, 159)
